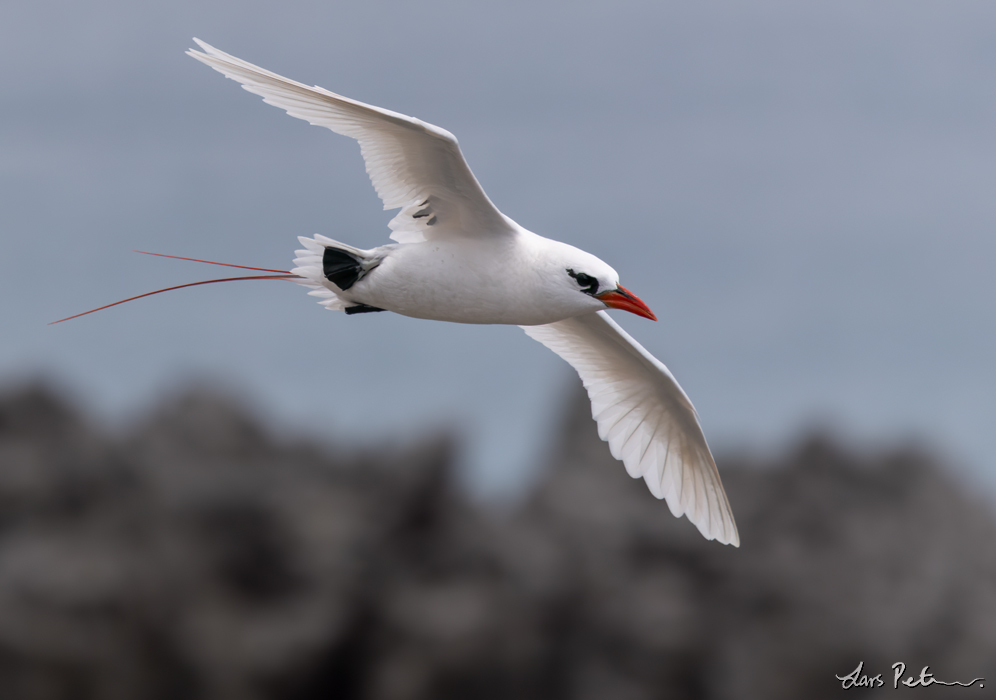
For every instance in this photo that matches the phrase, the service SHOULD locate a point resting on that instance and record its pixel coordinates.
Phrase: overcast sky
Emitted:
(803, 193)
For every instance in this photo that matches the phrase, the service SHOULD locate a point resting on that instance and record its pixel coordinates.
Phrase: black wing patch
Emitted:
(424, 212)
(341, 268)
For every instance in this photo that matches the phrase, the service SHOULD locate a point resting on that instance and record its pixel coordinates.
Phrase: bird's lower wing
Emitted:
(645, 417)
(412, 164)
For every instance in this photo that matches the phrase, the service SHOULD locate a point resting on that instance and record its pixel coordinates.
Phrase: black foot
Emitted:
(361, 309)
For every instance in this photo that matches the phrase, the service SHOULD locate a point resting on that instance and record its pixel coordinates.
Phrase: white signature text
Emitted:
(859, 679)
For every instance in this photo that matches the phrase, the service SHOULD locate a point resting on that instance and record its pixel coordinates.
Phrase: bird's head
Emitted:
(582, 273)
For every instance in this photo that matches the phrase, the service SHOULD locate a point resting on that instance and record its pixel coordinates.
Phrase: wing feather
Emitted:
(413, 165)
(646, 418)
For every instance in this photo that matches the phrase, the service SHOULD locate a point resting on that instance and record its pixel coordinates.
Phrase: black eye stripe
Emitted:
(588, 284)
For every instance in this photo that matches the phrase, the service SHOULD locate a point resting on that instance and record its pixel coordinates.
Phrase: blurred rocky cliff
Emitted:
(199, 557)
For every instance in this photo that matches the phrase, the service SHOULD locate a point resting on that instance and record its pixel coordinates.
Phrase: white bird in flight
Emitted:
(457, 258)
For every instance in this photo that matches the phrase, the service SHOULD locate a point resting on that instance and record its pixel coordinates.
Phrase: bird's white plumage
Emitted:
(646, 418)
(464, 261)
(412, 164)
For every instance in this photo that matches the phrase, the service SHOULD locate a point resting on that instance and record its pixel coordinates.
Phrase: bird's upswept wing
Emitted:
(645, 417)
(413, 165)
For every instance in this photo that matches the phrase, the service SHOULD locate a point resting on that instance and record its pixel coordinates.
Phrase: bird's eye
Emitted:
(588, 284)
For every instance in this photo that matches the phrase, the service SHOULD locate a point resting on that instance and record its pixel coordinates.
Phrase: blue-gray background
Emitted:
(803, 192)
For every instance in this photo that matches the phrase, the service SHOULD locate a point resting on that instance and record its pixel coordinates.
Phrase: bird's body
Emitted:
(459, 259)
(457, 279)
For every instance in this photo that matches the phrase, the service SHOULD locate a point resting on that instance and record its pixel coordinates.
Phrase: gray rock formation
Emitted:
(200, 557)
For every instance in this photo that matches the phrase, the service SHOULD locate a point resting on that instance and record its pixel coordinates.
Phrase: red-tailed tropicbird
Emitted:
(457, 258)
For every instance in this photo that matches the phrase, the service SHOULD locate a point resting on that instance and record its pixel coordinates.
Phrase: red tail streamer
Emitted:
(210, 262)
(284, 276)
